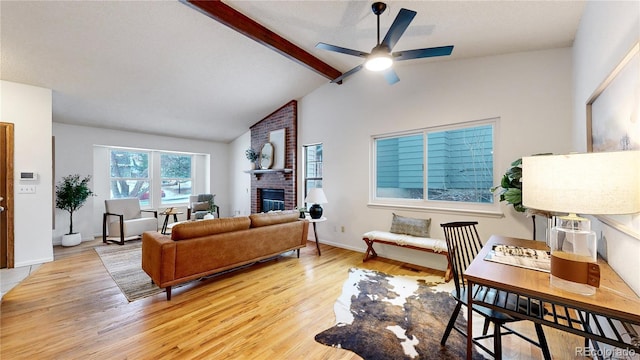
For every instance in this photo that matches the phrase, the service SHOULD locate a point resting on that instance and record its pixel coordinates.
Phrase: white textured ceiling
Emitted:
(162, 67)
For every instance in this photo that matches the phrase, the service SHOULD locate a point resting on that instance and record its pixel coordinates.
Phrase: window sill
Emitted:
(485, 213)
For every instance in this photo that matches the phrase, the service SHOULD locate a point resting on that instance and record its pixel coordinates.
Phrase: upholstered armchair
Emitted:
(123, 219)
(200, 205)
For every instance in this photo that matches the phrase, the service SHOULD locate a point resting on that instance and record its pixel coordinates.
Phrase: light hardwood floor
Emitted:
(72, 309)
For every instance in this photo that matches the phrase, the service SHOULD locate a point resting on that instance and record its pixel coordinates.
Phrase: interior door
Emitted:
(6, 195)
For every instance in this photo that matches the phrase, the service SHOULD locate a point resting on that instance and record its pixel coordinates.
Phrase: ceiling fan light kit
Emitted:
(378, 60)
(381, 58)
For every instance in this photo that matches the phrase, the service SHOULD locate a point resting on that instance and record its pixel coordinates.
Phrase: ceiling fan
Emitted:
(381, 58)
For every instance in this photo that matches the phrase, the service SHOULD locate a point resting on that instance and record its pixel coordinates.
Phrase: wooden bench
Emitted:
(430, 245)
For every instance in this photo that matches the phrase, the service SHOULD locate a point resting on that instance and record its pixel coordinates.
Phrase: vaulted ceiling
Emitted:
(162, 67)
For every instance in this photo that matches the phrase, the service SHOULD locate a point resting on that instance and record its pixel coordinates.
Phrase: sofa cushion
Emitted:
(272, 218)
(194, 229)
(410, 226)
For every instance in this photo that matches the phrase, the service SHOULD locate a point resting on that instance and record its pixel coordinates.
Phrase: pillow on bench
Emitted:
(410, 226)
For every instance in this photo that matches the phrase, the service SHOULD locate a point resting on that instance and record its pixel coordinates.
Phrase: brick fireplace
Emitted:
(283, 181)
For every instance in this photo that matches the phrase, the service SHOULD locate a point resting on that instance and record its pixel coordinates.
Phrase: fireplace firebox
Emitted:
(271, 200)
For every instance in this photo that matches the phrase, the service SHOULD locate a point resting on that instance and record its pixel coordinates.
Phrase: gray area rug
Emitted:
(380, 316)
(124, 264)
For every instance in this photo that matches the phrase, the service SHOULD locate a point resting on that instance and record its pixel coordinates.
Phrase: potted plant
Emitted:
(252, 156)
(212, 209)
(302, 210)
(510, 188)
(510, 191)
(71, 194)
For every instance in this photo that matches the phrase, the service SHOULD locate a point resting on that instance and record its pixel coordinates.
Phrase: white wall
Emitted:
(240, 182)
(529, 92)
(74, 154)
(29, 109)
(606, 33)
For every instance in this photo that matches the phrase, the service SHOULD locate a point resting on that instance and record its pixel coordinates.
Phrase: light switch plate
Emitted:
(26, 189)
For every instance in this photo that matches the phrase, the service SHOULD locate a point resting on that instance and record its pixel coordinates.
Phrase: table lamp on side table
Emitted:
(592, 183)
(316, 197)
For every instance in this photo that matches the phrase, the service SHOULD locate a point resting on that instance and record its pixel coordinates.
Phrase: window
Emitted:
(312, 167)
(399, 167)
(175, 173)
(451, 164)
(130, 175)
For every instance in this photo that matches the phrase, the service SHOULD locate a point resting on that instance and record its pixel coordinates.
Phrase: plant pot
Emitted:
(71, 239)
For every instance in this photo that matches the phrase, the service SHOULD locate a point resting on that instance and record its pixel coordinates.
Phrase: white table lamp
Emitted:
(592, 183)
(316, 197)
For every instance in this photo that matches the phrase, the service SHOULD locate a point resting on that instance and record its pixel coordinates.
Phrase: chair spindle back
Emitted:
(463, 244)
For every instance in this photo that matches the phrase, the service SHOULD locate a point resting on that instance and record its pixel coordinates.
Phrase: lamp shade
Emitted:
(316, 196)
(591, 183)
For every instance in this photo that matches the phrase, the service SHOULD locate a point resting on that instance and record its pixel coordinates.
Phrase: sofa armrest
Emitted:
(158, 257)
(105, 217)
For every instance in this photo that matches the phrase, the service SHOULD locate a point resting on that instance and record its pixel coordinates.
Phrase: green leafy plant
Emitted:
(251, 154)
(510, 188)
(302, 210)
(71, 194)
(212, 206)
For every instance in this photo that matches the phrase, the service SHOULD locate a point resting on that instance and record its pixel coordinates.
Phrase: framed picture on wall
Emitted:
(613, 111)
(613, 123)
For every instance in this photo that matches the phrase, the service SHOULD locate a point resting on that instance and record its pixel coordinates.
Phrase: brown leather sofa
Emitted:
(200, 248)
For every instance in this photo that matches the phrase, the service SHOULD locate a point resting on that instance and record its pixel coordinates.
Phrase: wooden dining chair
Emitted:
(463, 243)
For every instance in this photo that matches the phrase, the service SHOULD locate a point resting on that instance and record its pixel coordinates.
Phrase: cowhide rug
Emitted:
(380, 316)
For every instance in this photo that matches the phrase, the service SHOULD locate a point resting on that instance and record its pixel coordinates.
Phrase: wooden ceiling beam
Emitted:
(241, 23)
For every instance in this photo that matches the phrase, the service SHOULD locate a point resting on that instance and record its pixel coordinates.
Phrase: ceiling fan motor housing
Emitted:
(381, 58)
(378, 8)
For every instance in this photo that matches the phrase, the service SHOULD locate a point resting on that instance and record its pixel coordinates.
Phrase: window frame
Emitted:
(191, 177)
(154, 178)
(424, 204)
(305, 178)
(147, 179)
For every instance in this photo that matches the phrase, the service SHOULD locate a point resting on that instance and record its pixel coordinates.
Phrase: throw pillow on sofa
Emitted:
(200, 206)
(410, 226)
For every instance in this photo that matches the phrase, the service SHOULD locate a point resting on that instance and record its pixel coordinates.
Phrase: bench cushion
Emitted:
(436, 245)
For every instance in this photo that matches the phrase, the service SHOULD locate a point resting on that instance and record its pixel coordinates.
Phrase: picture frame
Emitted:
(277, 139)
(266, 156)
(613, 111)
(613, 123)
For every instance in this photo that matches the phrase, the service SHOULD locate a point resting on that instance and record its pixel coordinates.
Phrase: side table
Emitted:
(315, 232)
(166, 219)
